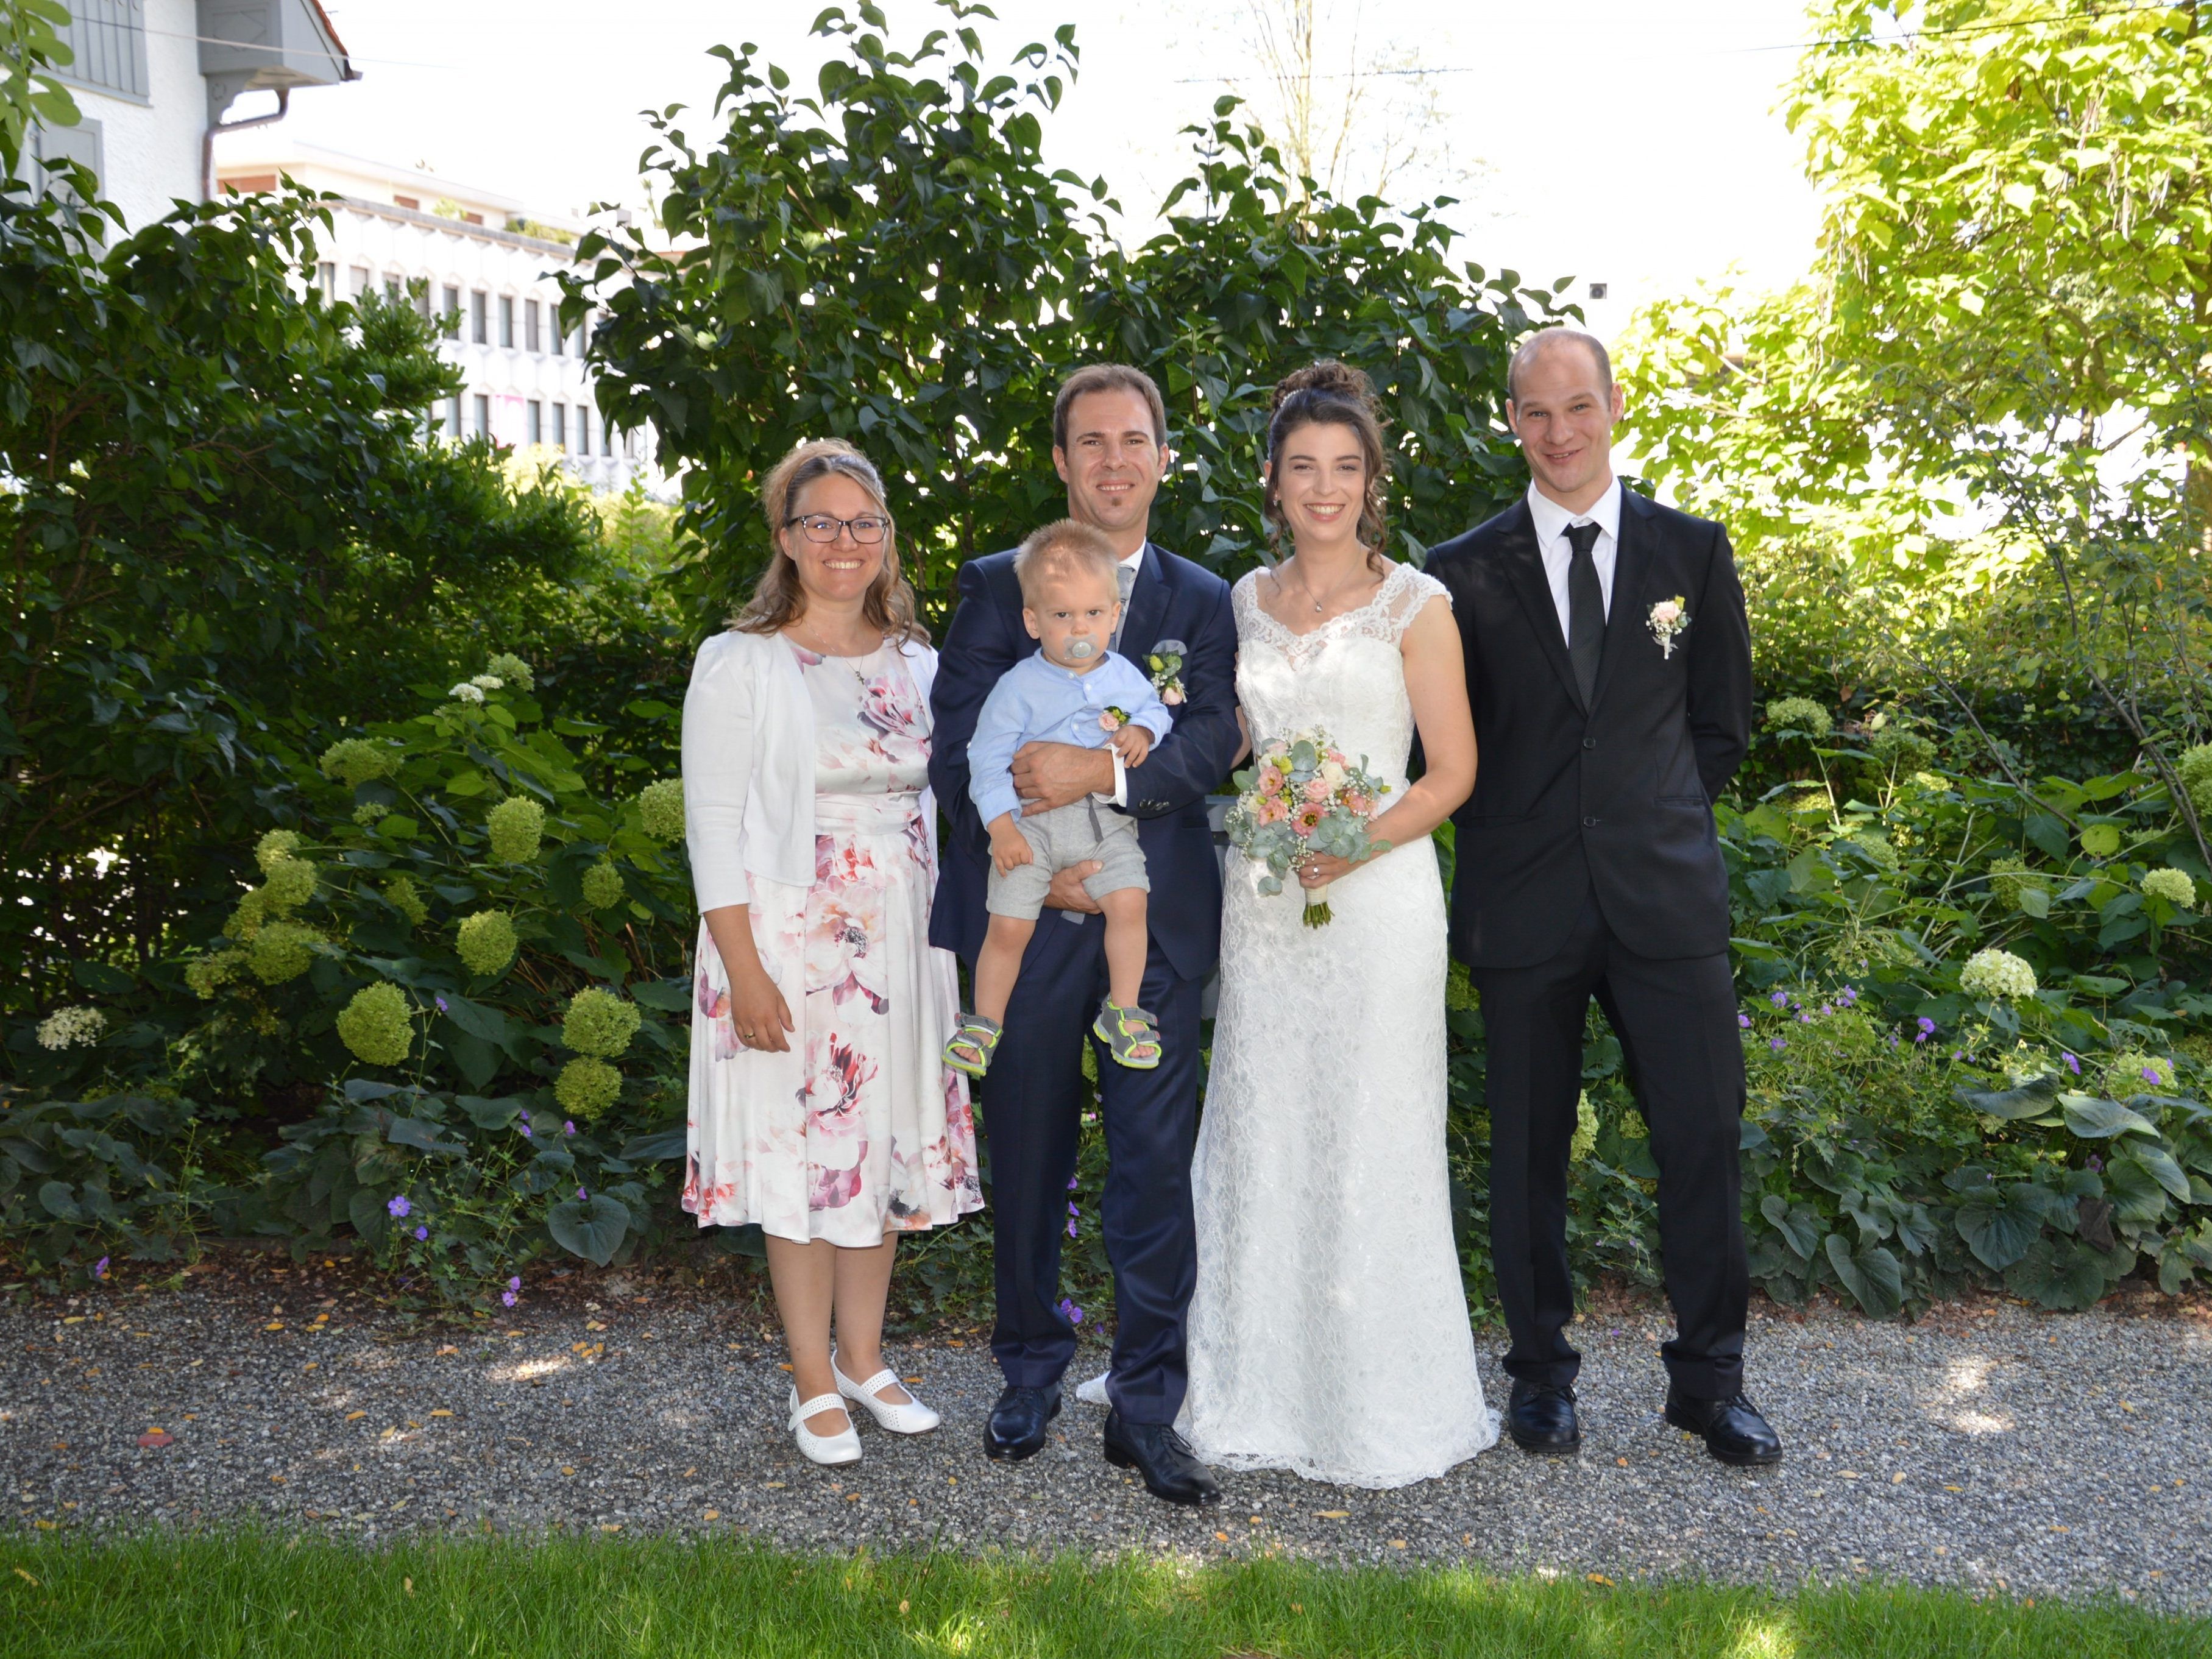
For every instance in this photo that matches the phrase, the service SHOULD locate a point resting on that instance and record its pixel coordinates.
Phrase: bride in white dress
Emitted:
(1329, 1332)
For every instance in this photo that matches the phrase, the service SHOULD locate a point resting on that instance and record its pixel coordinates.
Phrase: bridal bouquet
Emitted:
(1300, 796)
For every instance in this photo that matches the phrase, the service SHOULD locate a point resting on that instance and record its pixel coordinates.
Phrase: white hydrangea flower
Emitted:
(467, 691)
(1996, 974)
(2176, 887)
(67, 1027)
(488, 682)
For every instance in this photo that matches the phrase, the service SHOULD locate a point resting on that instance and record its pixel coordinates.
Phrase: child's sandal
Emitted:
(970, 1048)
(1130, 1035)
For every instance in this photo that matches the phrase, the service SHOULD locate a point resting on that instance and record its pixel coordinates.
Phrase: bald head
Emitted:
(1543, 342)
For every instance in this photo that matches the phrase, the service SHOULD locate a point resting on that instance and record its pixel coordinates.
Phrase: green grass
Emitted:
(233, 1593)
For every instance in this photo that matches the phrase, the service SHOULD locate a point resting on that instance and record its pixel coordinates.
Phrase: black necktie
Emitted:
(1585, 609)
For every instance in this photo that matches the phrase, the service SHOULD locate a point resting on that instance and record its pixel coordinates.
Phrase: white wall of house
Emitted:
(148, 145)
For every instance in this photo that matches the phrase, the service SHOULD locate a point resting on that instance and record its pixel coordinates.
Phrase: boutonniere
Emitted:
(1667, 620)
(1165, 662)
(1112, 719)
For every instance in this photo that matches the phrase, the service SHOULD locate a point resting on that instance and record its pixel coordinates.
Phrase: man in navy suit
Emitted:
(1109, 445)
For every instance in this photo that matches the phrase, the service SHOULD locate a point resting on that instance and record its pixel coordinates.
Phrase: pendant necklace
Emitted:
(846, 663)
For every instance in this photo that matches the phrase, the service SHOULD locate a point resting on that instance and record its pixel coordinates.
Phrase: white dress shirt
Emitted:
(1551, 522)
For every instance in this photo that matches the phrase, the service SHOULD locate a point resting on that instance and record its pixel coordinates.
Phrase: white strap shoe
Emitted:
(909, 1416)
(842, 1447)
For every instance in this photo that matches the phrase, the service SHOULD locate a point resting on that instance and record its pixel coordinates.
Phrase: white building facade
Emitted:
(472, 256)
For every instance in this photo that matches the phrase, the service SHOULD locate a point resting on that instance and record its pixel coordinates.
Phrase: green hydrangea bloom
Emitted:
(586, 1087)
(599, 1023)
(282, 950)
(516, 824)
(1459, 988)
(1896, 749)
(603, 886)
(1996, 973)
(369, 812)
(401, 893)
(2177, 887)
(274, 848)
(356, 761)
(1876, 847)
(1585, 1139)
(378, 1024)
(660, 807)
(2006, 883)
(2136, 1071)
(291, 884)
(2195, 770)
(207, 974)
(246, 919)
(1802, 715)
(486, 941)
(512, 669)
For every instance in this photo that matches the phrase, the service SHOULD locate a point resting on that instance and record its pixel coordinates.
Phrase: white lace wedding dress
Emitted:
(1329, 1333)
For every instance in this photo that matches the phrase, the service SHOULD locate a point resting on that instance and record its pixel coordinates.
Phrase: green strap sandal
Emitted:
(970, 1049)
(1131, 1035)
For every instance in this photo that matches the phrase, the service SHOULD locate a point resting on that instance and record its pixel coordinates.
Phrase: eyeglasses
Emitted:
(867, 530)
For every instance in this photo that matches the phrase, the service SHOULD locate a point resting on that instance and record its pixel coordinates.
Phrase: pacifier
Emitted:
(1081, 650)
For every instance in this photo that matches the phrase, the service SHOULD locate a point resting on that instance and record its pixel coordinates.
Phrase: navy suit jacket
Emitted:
(1173, 599)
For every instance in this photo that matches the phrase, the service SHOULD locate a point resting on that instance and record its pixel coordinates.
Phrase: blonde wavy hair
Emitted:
(777, 598)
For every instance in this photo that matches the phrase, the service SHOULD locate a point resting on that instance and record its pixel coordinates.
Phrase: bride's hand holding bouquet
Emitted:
(1302, 805)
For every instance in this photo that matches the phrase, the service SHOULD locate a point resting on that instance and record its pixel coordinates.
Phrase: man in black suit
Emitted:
(1110, 436)
(1608, 658)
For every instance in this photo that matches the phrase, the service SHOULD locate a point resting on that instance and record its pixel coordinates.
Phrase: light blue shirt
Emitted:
(1038, 701)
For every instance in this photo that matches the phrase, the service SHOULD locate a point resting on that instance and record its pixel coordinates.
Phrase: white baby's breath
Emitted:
(66, 1027)
(467, 691)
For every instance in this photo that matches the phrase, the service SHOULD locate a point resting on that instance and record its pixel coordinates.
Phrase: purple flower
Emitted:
(1804, 1018)
(100, 1268)
(515, 1283)
(1850, 996)
(525, 1126)
(507, 1296)
(399, 1205)
(2073, 1064)
(1957, 1055)
(1777, 1044)
(1780, 999)
(1827, 1008)
(580, 1193)
(2096, 1162)
(422, 1232)
(1743, 1022)
(567, 1125)
(1926, 1025)
(441, 1001)
(1071, 1183)
(1069, 1312)
(2150, 1074)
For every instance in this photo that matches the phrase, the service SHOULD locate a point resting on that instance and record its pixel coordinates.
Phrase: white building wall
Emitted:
(150, 151)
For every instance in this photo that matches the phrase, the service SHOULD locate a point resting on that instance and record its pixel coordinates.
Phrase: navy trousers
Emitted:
(1032, 1102)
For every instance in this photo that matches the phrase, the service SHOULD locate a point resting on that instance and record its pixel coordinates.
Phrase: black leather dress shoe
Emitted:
(1541, 1417)
(1170, 1469)
(1732, 1429)
(1018, 1421)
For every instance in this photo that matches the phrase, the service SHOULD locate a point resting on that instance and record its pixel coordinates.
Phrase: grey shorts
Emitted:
(1064, 836)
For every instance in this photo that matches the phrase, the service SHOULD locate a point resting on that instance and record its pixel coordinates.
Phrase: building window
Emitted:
(530, 325)
(484, 416)
(533, 427)
(391, 288)
(553, 326)
(107, 41)
(326, 275)
(359, 276)
(583, 332)
(453, 416)
(506, 320)
(453, 301)
(479, 331)
(561, 426)
(583, 429)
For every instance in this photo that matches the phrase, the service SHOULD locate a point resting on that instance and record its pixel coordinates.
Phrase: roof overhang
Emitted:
(251, 46)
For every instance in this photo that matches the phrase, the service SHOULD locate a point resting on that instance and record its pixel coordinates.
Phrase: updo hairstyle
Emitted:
(777, 599)
(1333, 393)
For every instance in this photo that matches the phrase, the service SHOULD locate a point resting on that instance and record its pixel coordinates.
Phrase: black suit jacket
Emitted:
(1173, 599)
(1617, 797)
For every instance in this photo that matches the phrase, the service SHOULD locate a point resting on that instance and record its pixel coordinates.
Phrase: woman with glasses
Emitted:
(820, 1107)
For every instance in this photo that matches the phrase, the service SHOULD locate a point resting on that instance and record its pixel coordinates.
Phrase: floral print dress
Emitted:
(860, 1129)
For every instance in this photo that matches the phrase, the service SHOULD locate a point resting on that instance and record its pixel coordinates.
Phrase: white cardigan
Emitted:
(749, 765)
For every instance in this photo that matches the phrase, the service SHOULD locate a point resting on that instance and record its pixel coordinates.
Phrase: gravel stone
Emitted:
(1987, 1447)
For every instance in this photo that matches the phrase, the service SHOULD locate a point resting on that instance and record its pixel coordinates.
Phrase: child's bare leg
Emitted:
(1126, 945)
(999, 964)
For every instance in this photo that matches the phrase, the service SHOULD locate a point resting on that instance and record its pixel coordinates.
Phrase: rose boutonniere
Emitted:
(1164, 661)
(1112, 719)
(1667, 620)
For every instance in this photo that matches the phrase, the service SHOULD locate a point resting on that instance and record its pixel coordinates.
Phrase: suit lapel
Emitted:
(1148, 604)
(1631, 565)
(1524, 561)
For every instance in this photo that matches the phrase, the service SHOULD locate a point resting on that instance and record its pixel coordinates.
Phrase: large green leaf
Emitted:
(2163, 1169)
(660, 1144)
(2058, 1272)
(1999, 1227)
(1799, 1226)
(669, 996)
(1871, 1274)
(591, 1228)
(2030, 1099)
(2095, 1119)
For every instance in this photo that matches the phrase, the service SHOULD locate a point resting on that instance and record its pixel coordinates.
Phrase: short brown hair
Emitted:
(1058, 548)
(1108, 377)
(1542, 341)
(777, 599)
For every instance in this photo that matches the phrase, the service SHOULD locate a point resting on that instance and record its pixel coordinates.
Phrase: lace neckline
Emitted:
(1295, 643)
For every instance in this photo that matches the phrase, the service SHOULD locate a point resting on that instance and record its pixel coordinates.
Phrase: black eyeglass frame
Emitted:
(844, 527)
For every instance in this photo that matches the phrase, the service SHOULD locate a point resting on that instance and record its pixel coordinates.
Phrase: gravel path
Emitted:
(1986, 1447)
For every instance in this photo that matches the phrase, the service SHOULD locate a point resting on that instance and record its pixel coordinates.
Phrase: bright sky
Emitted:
(1636, 144)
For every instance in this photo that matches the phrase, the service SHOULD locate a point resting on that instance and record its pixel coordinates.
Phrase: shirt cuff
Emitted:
(1120, 797)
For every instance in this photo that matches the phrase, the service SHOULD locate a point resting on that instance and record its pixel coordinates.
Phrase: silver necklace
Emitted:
(846, 663)
(1307, 587)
